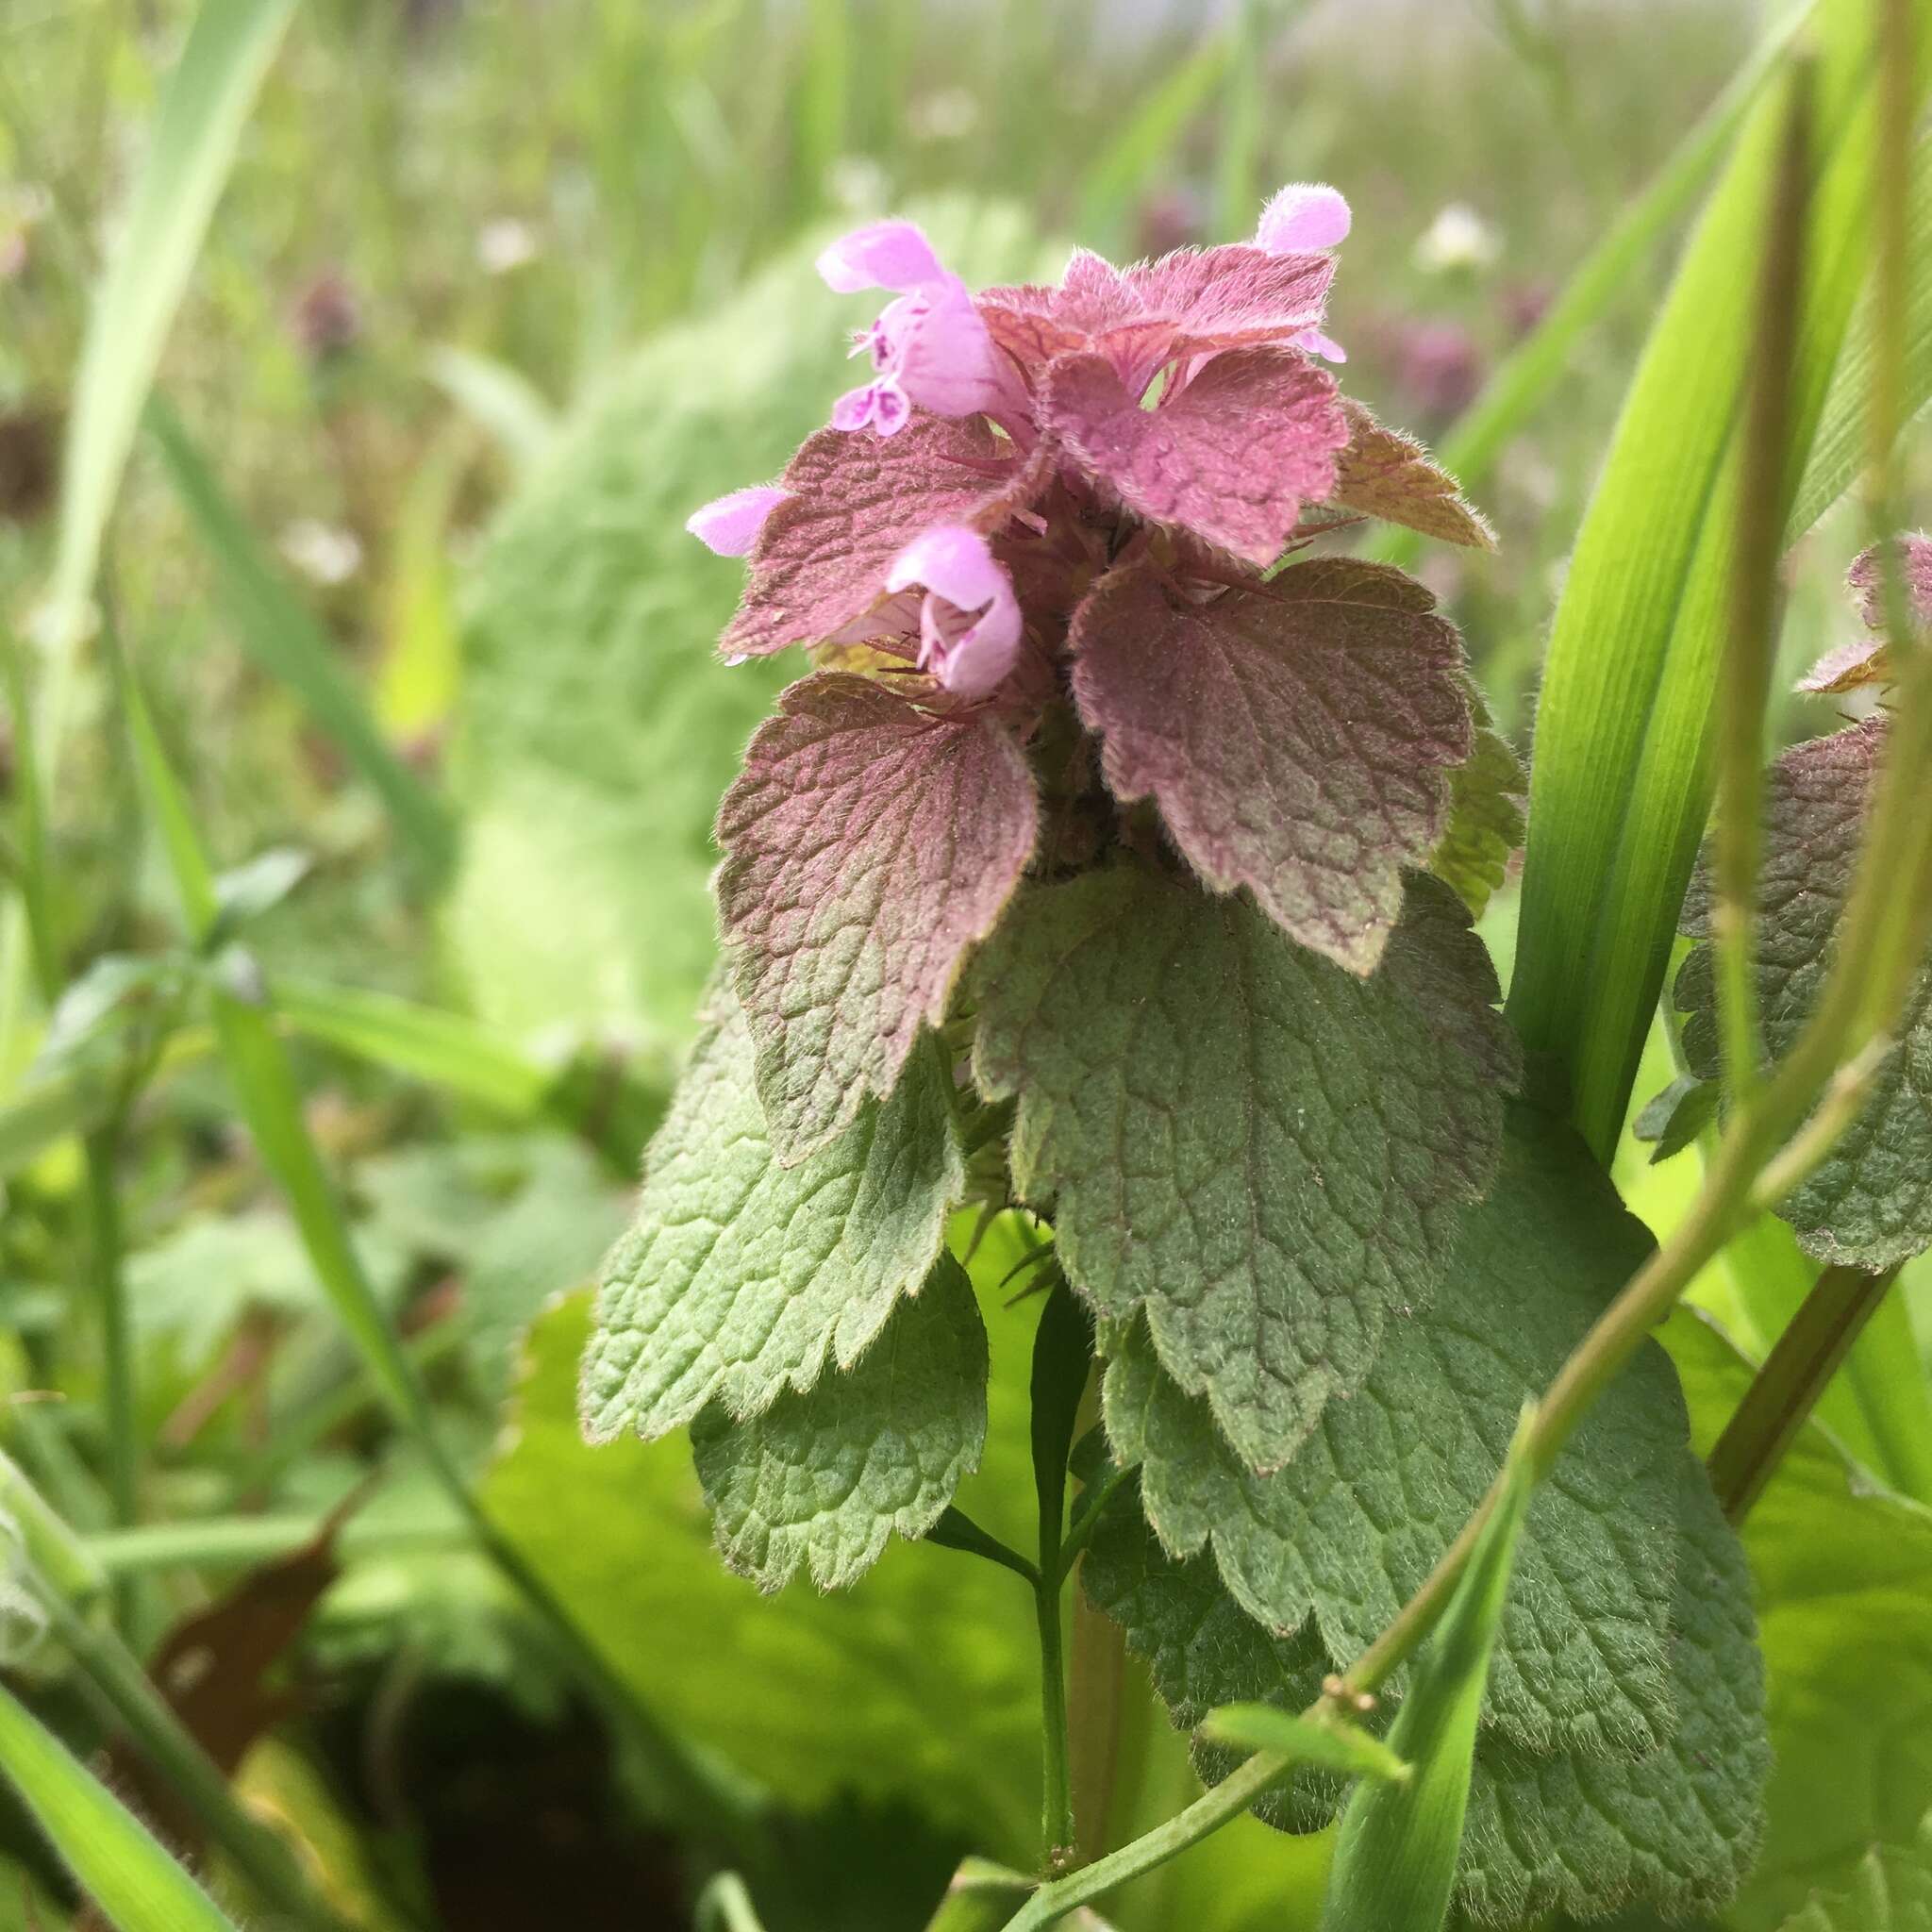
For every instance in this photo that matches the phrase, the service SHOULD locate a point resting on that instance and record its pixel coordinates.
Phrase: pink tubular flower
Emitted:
(928, 347)
(731, 525)
(1301, 217)
(969, 625)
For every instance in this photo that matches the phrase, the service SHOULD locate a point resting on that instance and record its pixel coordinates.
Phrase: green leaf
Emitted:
(450, 1049)
(739, 1276)
(931, 1664)
(1676, 1116)
(1263, 1151)
(1350, 1528)
(1335, 1746)
(288, 642)
(1677, 1828)
(1869, 1203)
(1486, 794)
(824, 1477)
(589, 766)
(1843, 1577)
(195, 135)
(1226, 713)
(1843, 442)
(1622, 777)
(113, 1857)
(1892, 1893)
(1396, 1856)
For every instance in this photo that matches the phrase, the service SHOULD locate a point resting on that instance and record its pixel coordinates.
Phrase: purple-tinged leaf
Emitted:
(868, 846)
(1866, 580)
(1384, 473)
(1296, 736)
(1869, 1204)
(851, 503)
(1848, 667)
(1232, 457)
(1195, 303)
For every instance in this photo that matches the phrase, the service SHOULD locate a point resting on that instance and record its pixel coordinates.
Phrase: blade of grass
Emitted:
(46, 1109)
(1525, 379)
(284, 638)
(115, 1859)
(1135, 155)
(1622, 781)
(698, 1798)
(499, 399)
(1843, 444)
(461, 1054)
(1396, 1850)
(197, 130)
(1236, 168)
(1330, 1744)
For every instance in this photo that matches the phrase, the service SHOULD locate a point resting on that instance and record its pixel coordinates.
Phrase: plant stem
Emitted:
(1785, 1390)
(102, 1155)
(1754, 599)
(1057, 1800)
(240, 1543)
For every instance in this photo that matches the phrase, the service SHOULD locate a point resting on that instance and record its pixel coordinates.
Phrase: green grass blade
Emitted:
(448, 1050)
(196, 133)
(1396, 1851)
(1527, 376)
(288, 642)
(498, 399)
(1333, 1746)
(1134, 157)
(1622, 781)
(113, 1857)
(1844, 437)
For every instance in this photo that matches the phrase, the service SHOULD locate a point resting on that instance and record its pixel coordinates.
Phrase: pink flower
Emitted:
(730, 525)
(928, 347)
(969, 625)
(1303, 216)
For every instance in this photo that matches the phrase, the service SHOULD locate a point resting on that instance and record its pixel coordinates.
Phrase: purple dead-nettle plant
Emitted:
(1112, 874)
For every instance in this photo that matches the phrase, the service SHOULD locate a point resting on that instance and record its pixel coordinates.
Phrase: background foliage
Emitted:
(494, 295)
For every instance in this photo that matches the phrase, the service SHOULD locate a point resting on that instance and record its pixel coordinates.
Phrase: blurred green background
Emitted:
(496, 294)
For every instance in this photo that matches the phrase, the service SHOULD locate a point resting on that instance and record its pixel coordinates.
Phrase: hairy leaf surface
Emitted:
(1869, 1203)
(1296, 736)
(739, 1276)
(1232, 458)
(867, 845)
(1485, 823)
(1384, 473)
(1676, 1829)
(1265, 1153)
(1351, 1527)
(856, 501)
(825, 1475)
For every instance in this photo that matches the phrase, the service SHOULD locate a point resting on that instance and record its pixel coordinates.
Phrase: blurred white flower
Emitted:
(506, 244)
(1458, 238)
(856, 184)
(950, 113)
(321, 552)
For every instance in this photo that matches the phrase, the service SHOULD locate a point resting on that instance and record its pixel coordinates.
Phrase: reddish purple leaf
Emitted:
(853, 502)
(1297, 736)
(1195, 303)
(1848, 667)
(1233, 457)
(1385, 473)
(1867, 581)
(868, 846)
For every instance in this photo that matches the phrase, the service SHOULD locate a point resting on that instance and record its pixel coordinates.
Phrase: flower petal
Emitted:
(968, 653)
(730, 525)
(1304, 215)
(1316, 343)
(883, 255)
